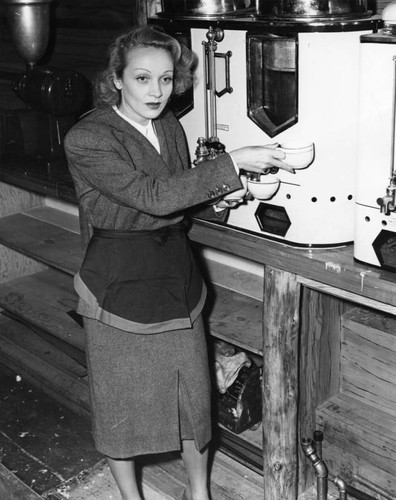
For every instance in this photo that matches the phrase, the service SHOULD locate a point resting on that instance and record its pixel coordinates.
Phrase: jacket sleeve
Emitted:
(209, 213)
(205, 210)
(101, 162)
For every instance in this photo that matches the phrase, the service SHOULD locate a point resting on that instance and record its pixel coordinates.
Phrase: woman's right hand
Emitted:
(260, 158)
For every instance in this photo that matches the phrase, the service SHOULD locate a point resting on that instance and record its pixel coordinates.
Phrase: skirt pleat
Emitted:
(147, 392)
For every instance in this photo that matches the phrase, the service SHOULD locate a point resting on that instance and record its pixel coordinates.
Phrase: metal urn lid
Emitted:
(312, 8)
(203, 7)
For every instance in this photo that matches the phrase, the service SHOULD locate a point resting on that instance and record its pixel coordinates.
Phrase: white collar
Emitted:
(142, 128)
(147, 130)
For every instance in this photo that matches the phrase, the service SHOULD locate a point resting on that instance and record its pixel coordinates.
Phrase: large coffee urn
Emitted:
(285, 72)
(375, 228)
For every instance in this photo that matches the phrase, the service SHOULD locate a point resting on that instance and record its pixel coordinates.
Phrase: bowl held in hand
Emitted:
(298, 154)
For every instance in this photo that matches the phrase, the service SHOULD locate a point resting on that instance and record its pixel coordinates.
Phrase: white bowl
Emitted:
(239, 193)
(265, 188)
(298, 154)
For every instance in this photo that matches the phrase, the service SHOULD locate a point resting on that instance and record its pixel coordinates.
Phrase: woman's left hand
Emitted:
(258, 159)
(222, 204)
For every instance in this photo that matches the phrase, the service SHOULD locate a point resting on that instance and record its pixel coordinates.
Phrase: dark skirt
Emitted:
(148, 392)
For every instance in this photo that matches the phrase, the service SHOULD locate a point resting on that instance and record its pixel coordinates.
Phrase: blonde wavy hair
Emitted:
(104, 91)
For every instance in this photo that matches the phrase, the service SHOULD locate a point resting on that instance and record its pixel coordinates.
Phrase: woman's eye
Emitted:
(142, 78)
(167, 79)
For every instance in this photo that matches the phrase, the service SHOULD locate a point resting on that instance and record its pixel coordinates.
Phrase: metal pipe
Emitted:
(351, 490)
(212, 90)
(319, 467)
(359, 495)
(318, 439)
(392, 165)
(323, 475)
(387, 203)
(313, 450)
(341, 485)
(206, 104)
(376, 490)
(214, 35)
(257, 7)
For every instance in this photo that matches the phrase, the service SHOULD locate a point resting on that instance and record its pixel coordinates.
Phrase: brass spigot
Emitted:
(208, 149)
(388, 202)
(201, 152)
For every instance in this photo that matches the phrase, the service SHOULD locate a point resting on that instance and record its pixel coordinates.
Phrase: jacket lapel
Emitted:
(165, 147)
(169, 158)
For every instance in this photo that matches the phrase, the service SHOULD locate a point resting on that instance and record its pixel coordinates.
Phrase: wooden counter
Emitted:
(305, 295)
(333, 271)
(302, 327)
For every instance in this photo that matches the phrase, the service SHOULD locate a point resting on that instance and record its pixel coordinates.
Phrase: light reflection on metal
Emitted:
(312, 9)
(319, 466)
(214, 36)
(29, 25)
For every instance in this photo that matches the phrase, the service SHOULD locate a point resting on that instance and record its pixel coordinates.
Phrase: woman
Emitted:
(140, 292)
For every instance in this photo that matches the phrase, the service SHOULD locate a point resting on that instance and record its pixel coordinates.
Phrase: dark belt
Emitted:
(161, 234)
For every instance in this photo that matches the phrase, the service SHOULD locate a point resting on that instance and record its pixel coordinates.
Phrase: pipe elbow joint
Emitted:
(320, 469)
(340, 484)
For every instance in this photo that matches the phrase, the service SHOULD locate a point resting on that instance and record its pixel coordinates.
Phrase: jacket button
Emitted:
(219, 190)
(226, 187)
(211, 194)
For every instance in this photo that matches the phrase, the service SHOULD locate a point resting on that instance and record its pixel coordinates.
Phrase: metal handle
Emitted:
(227, 89)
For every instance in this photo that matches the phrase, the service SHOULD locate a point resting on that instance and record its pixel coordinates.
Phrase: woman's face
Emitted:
(146, 84)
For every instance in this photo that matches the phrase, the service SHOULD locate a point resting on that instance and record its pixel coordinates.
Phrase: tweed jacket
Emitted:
(135, 199)
(123, 183)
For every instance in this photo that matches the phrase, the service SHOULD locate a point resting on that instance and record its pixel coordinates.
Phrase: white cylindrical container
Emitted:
(375, 230)
(315, 206)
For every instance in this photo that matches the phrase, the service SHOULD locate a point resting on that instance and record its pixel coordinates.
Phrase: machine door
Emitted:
(272, 82)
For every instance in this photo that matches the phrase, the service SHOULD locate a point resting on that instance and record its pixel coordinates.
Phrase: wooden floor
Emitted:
(166, 480)
(46, 451)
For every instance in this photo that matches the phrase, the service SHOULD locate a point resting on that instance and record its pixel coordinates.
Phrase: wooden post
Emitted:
(280, 384)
